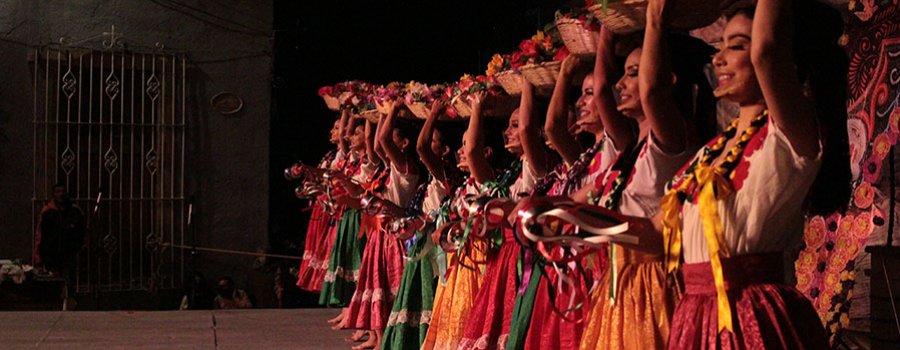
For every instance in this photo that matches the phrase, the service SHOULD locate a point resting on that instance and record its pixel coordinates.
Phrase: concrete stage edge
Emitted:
(202, 329)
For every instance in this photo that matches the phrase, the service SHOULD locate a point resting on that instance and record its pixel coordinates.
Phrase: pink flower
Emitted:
(862, 226)
(814, 234)
(864, 195)
(881, 146)
(806, 262)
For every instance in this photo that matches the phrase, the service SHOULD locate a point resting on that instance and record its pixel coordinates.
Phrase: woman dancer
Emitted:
(664, 88)
(489, 322)
(317, 246)
(382, 262)
(412, 312)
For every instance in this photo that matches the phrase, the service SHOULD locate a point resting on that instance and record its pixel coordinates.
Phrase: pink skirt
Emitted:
(379, 281)
(319, 239)
(766, 313)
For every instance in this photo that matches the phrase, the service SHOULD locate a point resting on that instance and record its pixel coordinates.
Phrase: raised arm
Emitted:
(391, 150)
(771, 52)
(479, 167)
(344, 130)
(656, 83)
(379, 151)
(618, 127)
(371, 155)
(530, 131)
(556, 126)
(432, 161)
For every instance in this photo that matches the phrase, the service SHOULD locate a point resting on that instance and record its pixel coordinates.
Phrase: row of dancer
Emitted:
(412, 236)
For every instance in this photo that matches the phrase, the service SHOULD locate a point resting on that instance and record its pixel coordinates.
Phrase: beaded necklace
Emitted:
(708, 183)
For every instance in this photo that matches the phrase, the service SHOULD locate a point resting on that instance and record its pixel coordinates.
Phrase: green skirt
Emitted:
(343, 265)
(523, 308)
(411, 314)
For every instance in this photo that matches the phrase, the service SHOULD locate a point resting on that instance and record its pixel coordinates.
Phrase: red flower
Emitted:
(451, 112)
(872, 169)
(517, 60)
(325, 91)
(561, 54)
(528, 48)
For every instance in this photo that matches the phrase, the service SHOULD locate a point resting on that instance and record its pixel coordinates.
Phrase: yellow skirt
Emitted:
(452, 302)
(640, 316)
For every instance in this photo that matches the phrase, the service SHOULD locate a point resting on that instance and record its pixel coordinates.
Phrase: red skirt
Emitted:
(320, 236)
(379, 281)
(766, 313)
(548, 329)
(487, 326)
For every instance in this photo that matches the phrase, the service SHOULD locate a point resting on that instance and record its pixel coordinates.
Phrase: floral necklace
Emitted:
(709, 183)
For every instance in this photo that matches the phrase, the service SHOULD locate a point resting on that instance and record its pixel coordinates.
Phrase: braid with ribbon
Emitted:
(708, 183)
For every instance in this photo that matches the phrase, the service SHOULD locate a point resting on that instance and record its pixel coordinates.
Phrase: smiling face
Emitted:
(627, 86)
(734, 71)
(588, 119)
(511, 135)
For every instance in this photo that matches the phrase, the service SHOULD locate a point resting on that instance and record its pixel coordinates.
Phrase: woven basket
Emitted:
(420, 110)
(500, 106)
(371, 115)
(543, 74)
(462, 107)
(383, 109)
(577, 38)
(332, 102)
(509, 81)
(628, 16)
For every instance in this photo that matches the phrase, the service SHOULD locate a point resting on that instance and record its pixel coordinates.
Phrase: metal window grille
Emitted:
(114, 121)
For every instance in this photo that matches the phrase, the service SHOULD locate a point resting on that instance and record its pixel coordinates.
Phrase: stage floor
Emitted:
(206, 329)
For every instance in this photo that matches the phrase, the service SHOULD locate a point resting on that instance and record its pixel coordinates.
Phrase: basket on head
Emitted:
(371, 115)
(542, 74)
(332, 102)
(577, 38)
(402, 113)
(419, 109)
(628, 16)
(462, 106)
(509, 81)
(500, 106)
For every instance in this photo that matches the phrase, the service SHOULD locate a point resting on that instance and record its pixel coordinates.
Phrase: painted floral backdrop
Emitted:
(825, 268)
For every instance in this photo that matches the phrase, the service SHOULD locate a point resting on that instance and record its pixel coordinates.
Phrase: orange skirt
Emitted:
(452, 302)
(641, 314)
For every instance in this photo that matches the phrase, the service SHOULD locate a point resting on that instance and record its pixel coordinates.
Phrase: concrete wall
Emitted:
(229, 44)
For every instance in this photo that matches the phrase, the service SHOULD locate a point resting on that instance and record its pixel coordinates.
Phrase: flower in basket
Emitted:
(356, 96)
(582, 15)
(391, 91)
(500, 63)
(326, 91)
(547, 47)
(416, 92)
